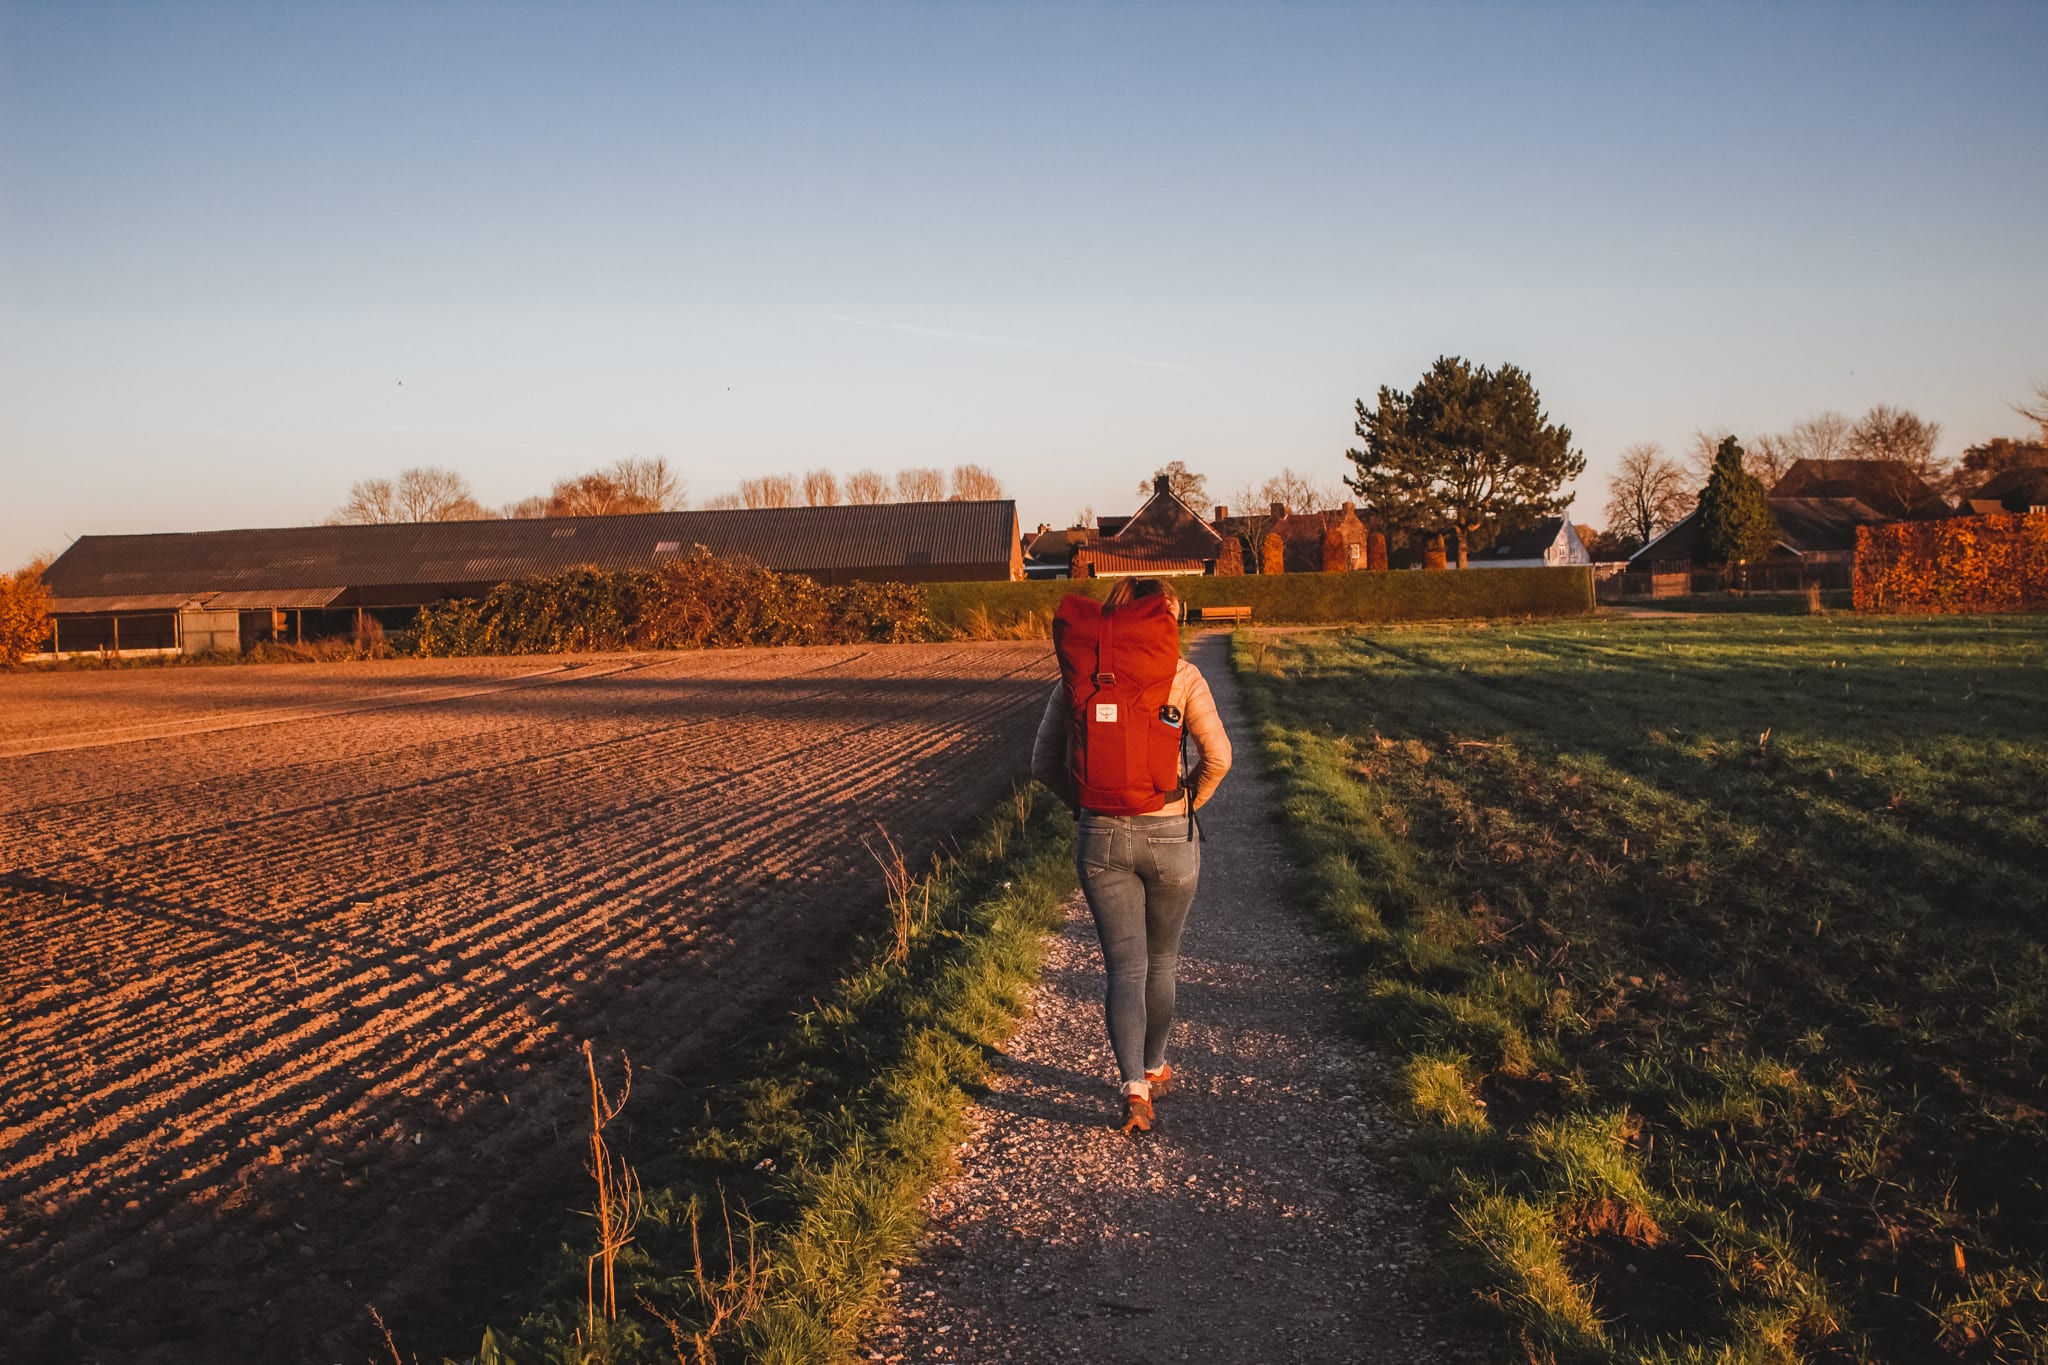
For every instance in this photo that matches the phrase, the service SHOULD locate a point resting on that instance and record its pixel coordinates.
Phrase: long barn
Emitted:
(197, 590)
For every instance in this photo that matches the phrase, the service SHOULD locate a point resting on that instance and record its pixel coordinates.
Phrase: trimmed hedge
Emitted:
(1299, 599)
(1994, 563)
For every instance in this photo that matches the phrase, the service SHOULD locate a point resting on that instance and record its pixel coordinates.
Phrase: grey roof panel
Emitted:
(793, 539)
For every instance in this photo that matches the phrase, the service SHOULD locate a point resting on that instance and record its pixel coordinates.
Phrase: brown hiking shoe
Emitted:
(1137, 1114)
(1161, 1081)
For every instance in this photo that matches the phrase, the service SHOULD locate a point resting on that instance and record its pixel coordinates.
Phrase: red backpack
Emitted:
(1123, 734)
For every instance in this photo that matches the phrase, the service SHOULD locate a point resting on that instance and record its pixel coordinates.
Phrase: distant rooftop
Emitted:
(317, 566)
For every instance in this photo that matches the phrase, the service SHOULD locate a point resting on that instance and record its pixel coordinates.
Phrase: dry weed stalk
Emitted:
(896, 882)
(389, 1344)
(618, 1193)
(728, 1299)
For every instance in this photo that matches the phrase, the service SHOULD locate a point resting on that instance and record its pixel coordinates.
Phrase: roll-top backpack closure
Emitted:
(1123, 734)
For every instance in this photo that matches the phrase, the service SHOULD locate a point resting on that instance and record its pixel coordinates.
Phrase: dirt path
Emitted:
(1266, 1219)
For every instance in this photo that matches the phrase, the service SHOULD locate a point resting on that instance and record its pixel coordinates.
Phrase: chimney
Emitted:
(1043, 527)
(1279, 510)
(1222, 513)
(1160, 486)
(1349, 510)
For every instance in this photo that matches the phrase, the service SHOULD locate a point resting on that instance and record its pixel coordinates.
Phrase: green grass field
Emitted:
(1716, 950)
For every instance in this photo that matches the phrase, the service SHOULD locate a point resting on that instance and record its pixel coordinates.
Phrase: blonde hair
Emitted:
(1131, 589)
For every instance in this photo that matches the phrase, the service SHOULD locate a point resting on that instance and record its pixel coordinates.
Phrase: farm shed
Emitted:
(1547, 544)
(189, 591)
(1816, 530)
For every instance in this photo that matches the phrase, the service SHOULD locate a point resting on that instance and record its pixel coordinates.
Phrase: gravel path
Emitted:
(1266, 1219)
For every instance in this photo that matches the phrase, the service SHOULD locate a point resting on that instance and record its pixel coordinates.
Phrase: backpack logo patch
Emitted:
(1105, 712)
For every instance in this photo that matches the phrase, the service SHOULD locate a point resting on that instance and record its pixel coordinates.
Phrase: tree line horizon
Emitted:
(1468, 454)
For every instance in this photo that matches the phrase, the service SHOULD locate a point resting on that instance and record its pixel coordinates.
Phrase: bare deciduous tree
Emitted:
(1250, 505)
(821, 488)
(526, 509)
(1647, 493)
(371, 502)
(1899, 435)
(427, 493)
(435, 494)
(589, 495)
(1824, 436)
(648, 483)
(867, 487)
(625, 487)
(1768, 457)
(974, 483)
(770, 490)
(1190, 487)
(2036, 411)
(920, 485)
(1698, 460)
(1298, 492)
(724, 502)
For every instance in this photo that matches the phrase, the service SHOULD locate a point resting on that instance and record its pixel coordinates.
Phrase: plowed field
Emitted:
(295, 961)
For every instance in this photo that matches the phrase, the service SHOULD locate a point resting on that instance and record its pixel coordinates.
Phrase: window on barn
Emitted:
(668, 547)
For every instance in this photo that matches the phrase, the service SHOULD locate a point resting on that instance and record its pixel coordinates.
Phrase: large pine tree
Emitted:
(1735, 515)
(1470, 451)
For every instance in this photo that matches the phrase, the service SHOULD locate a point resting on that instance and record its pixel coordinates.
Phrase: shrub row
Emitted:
(699, 602)
(1294, 599)
(1996, 563)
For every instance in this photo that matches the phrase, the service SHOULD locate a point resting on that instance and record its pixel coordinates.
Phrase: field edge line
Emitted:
(822, 1156)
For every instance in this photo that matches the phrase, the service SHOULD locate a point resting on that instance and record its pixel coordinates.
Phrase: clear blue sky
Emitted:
(251, 253)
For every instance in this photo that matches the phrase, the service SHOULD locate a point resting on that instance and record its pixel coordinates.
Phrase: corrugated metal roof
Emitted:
(873, 538)
(95, 606)
(310, 599)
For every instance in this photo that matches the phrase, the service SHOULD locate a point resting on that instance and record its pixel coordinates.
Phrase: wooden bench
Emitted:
(1239, 614)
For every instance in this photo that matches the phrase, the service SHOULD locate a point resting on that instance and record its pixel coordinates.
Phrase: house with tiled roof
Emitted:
(1165, 537)
(2024, 489)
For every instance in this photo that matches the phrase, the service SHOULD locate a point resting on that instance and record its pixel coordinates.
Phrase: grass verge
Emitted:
(764, 1230)
(1714, 949)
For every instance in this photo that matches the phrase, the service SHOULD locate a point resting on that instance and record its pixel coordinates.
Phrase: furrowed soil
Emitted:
(297, 960)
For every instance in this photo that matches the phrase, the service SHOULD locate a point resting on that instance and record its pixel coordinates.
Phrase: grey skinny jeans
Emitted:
(1139, 874)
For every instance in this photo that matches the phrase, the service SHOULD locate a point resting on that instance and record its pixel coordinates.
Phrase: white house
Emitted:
(1547, 544)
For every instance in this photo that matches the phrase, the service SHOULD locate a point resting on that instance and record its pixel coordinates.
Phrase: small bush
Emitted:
(24, 613)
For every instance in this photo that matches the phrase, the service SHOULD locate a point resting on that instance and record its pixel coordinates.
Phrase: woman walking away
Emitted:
(1114, 741)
